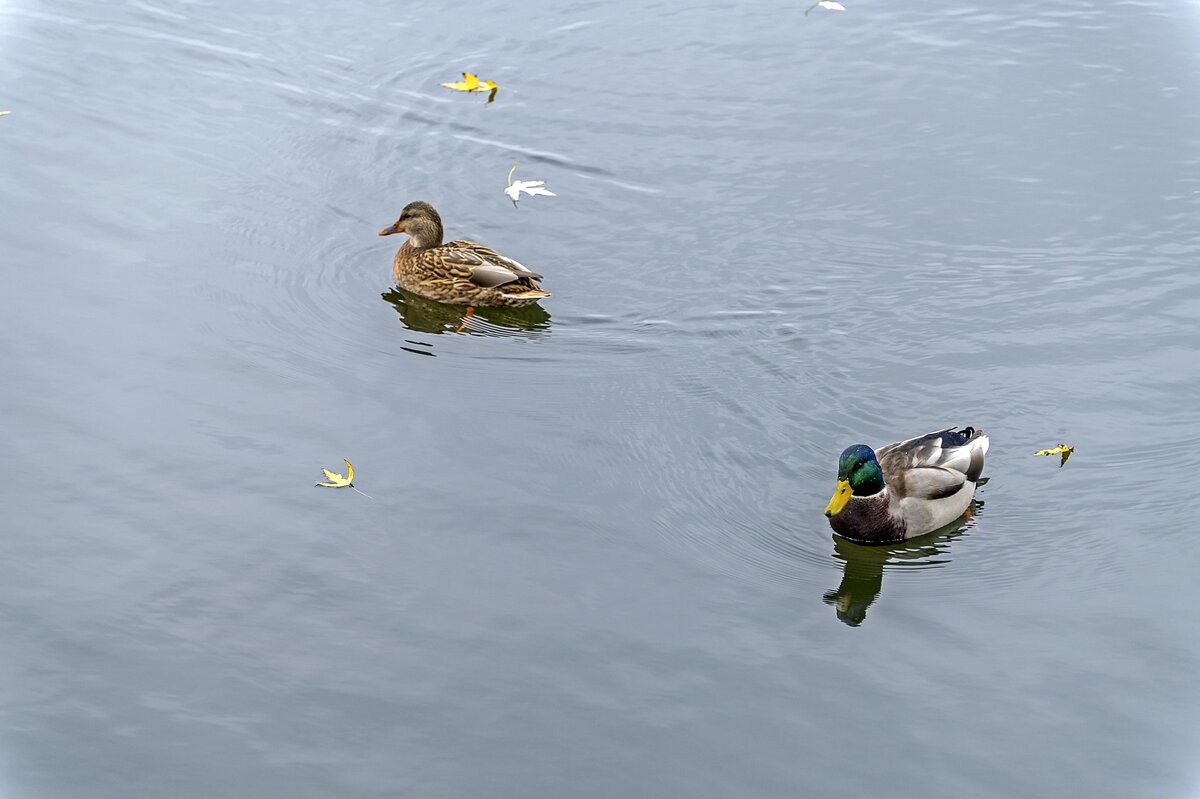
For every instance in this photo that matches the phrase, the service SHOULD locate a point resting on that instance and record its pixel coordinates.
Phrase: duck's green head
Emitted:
(858, 475)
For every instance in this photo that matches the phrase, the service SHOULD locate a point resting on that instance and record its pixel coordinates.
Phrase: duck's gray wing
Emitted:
(935, 464)
(929, 482)
(487, 267)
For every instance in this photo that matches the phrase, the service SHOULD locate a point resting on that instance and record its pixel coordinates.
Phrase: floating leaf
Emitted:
(469, 83)
(828, 5)
(530, 187)
(337, 481)
(472, 83)
(1064, 450)
(5, 113)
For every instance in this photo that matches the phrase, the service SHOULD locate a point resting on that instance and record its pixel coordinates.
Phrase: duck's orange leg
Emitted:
(470, 312)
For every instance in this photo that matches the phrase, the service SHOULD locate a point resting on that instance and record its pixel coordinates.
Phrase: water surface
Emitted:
(595, 562)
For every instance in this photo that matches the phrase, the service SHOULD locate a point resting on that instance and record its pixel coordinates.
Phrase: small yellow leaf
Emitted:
(3, 113)
(469, 83)
(336, 480)
(1064, 450)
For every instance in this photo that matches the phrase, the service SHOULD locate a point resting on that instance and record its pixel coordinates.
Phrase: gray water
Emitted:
(595, 564)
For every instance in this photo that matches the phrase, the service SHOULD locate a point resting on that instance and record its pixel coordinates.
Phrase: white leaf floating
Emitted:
(531, 187)
(828, 5)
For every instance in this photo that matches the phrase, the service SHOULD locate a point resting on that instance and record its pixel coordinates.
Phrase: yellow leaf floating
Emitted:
(337, 481)
(469, 83)
(1062, 449)
(472, 83)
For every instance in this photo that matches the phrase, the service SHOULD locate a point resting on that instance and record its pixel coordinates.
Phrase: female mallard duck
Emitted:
(907, 489)
(458, 272)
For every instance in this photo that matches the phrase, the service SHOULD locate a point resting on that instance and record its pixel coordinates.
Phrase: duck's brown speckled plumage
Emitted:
(457, 272)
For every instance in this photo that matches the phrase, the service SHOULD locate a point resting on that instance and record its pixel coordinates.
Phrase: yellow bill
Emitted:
(840, 497)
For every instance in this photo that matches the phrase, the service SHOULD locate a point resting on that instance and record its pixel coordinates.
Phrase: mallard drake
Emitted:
(906, 489)
(458, 272)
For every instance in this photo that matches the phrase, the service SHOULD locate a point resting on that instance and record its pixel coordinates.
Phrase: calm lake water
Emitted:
(595, 564)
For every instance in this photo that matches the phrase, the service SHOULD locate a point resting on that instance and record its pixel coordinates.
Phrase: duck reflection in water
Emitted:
(428, 316)
(863, 566)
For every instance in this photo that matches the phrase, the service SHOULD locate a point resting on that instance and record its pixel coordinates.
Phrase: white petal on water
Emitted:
(530, 187)
(828, 5)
